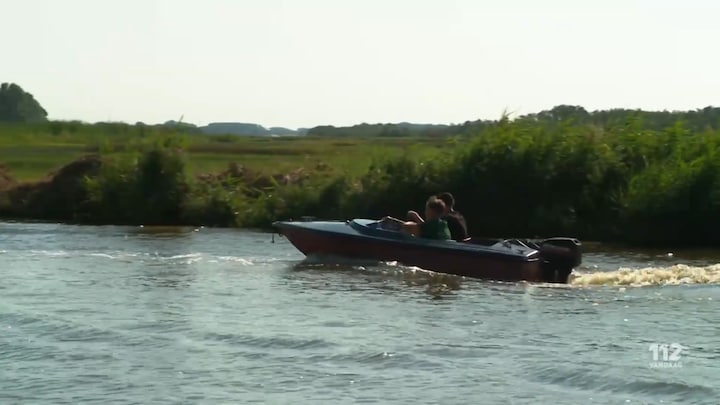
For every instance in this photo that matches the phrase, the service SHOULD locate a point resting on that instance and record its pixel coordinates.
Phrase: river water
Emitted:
(143, 316)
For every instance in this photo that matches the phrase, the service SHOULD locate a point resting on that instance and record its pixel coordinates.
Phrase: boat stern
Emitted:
(560, 256)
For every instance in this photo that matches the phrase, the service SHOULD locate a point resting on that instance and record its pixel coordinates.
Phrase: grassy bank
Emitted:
(521, 179)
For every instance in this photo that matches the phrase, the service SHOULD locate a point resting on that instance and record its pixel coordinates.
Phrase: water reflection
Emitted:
(332, 275)
(166, 232)
(165, 279)
(608, 256)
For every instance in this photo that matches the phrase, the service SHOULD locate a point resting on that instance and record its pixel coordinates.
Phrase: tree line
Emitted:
(19, 106)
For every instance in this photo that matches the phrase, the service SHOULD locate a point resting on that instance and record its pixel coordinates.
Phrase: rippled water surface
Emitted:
(143, 316)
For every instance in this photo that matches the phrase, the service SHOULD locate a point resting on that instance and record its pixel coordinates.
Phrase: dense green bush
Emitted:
(521, 179)
(525, 179)
(151, 189)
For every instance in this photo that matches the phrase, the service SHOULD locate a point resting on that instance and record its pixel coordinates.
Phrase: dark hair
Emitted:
(448, 199)
(436, 205)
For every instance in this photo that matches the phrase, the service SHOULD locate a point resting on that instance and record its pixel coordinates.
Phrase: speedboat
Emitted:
(549, 260)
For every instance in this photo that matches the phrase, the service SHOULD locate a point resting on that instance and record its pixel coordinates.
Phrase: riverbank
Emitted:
(513, 179)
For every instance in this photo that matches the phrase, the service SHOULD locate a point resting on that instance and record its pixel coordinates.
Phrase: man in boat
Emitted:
(455, 220)
(435, 227)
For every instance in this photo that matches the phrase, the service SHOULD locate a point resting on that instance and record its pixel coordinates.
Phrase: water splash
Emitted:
(50, 253)
(673, 275)
(240, 260)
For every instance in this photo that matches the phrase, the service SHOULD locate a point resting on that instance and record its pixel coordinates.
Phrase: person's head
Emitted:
(448, 199)
(434, 208)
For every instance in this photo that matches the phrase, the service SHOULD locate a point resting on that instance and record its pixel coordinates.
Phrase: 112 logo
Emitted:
(666, 355)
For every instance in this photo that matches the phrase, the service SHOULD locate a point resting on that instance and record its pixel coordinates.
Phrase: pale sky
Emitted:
(304, 63)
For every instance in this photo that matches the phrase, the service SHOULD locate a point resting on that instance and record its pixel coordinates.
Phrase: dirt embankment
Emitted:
(59, 196)
(7, 181)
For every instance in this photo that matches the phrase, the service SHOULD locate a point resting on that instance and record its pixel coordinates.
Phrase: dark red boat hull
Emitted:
(462, 263)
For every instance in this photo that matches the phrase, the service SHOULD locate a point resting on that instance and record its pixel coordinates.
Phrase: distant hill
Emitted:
(362, 130)
(250, 129)
(236, 128)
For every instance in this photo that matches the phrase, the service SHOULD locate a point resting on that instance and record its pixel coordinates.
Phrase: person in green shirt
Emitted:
(434, 227)
(455, 220)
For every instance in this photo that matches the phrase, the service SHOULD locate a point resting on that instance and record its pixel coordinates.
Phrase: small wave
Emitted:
(271, 342)
(585, 378)
(77, 253)
(184, 256)
(102, 255)
(243, 261)
(50, 253)
(187, 258)
(673, 275)
(379, 359)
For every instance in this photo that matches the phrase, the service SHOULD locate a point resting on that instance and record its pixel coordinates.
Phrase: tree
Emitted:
(16, 105)
(565, 113)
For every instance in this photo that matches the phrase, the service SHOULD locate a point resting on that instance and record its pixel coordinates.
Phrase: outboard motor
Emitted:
(560, 256)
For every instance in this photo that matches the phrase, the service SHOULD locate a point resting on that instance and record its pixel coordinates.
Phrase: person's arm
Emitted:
(415, 217)
(392, 219)
(411, 228)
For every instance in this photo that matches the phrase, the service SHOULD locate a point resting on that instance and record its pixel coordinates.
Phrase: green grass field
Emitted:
(31, 154)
